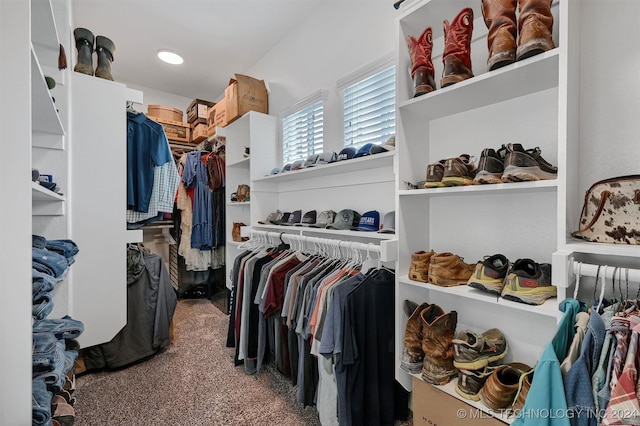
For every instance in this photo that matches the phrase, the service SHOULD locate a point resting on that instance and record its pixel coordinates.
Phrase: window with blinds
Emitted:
(369, 109)
(302, 133)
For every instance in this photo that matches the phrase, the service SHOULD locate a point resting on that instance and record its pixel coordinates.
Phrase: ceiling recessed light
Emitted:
(170, 57)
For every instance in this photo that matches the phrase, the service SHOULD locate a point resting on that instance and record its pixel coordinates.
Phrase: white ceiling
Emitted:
(216, 38)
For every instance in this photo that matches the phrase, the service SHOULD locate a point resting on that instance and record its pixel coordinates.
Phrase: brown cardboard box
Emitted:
(217, 116)
(198, 109)
(176, 131)
(434, 407)
(165, 112)
(199, 133)
(245, 94)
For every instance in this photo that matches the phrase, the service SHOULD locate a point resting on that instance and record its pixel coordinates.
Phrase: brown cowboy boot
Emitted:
(500, 18)
(84, 44)
(438, 331)
(535, 25)
(105, 50)
(414, 355)
(457, 48)
(422, 71)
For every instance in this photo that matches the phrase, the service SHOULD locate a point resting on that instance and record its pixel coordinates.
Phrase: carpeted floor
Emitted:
(193, 382)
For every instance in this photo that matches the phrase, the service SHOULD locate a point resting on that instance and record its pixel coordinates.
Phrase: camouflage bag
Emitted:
(611, 211)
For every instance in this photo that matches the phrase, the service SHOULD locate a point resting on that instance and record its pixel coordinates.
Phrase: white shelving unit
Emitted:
(544, 101)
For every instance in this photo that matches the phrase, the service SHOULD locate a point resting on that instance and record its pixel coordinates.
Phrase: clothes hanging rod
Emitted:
(589, 270)
(387, 249)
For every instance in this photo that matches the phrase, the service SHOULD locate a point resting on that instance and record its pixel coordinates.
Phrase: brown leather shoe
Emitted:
(414, 355)
(422, 70)
(500, 18)
(500, 388)
(448, 269)
(419, 268)
(457, 48)
(438, 329)
(535, 24)
(459, 171)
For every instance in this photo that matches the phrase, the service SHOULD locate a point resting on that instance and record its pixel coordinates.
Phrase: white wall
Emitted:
(340, 38)
(156, 97)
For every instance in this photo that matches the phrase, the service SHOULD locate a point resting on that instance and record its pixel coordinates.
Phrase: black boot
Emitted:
(84, 43)
(104, 49)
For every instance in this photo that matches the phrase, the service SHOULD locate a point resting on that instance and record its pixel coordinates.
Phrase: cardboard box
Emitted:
(217, 117)
(198, 109)
(245, 94)
(199, 133)
(434, 407)
(165, 112)
(176, 131)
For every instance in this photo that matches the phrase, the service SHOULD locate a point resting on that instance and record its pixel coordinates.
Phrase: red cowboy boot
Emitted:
(422, 71)
(535, 24)
(500, 18)
(457, 48)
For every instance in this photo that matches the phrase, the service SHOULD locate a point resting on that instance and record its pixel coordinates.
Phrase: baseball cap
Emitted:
(325, 218)
(275, 171)
(282, 218)
(308, 219)
(270, 218)
(311, 160)
(389, 145)
(286, 168)
(370, 221)
(388, 223)
(297, 165)
(345, 219)
(294, 217)
(347, 153)
(364, 150)
(325, 158)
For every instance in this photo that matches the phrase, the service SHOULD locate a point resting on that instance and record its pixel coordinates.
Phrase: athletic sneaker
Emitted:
(459, 171)
(529, 282)
(471, 381)
(434, 175)
(489, 274)
(521, 165)
(473, 351)
(491, 166)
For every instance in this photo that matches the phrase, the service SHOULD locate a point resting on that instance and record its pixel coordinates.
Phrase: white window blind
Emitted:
(369, 109)
(302, 133)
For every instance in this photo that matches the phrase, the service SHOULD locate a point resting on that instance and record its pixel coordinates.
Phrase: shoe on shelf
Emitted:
(438, 329)
(502, 385)
(522, 165)
(435, 172)
(490, 166)
(473, 352)
(471, 381)
(459, 171)
(448, 269)
(419, 268)
(413, 355)
(529, 282)
(490, 274)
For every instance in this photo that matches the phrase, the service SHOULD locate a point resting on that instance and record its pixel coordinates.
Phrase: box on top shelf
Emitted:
(165, 112)
(199, 132)
(198, 110)
(176, 131)
(243, 94)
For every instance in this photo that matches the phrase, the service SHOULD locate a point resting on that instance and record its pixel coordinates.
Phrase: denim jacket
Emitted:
(577, 381)
(546, 404)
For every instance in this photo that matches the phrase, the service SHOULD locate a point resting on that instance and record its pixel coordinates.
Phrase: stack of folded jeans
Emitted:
(55, 349)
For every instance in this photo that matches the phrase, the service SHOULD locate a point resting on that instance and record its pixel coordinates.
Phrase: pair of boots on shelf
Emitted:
(533, 34)
(104, 48)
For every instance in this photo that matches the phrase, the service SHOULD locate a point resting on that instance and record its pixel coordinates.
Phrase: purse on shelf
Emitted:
(611, 211)
(235, 232)
(243, 193)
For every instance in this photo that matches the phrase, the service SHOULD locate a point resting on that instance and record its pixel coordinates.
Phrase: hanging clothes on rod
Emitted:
(306, 304)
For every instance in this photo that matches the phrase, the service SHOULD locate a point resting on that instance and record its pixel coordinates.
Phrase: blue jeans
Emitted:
(42, 305)
(49, 262)
(66, 327)
(42, 283)
(40, 403)
(38, 241)
(48, 358)
(66, 248)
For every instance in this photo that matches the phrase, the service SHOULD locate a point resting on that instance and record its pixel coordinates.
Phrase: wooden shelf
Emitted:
(244, 163)
(303, 230)
(541, 185)
(579, 246)
(45, 202)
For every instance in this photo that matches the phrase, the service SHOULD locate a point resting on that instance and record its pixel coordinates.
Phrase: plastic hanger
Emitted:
(575, 291)
(369, 262)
